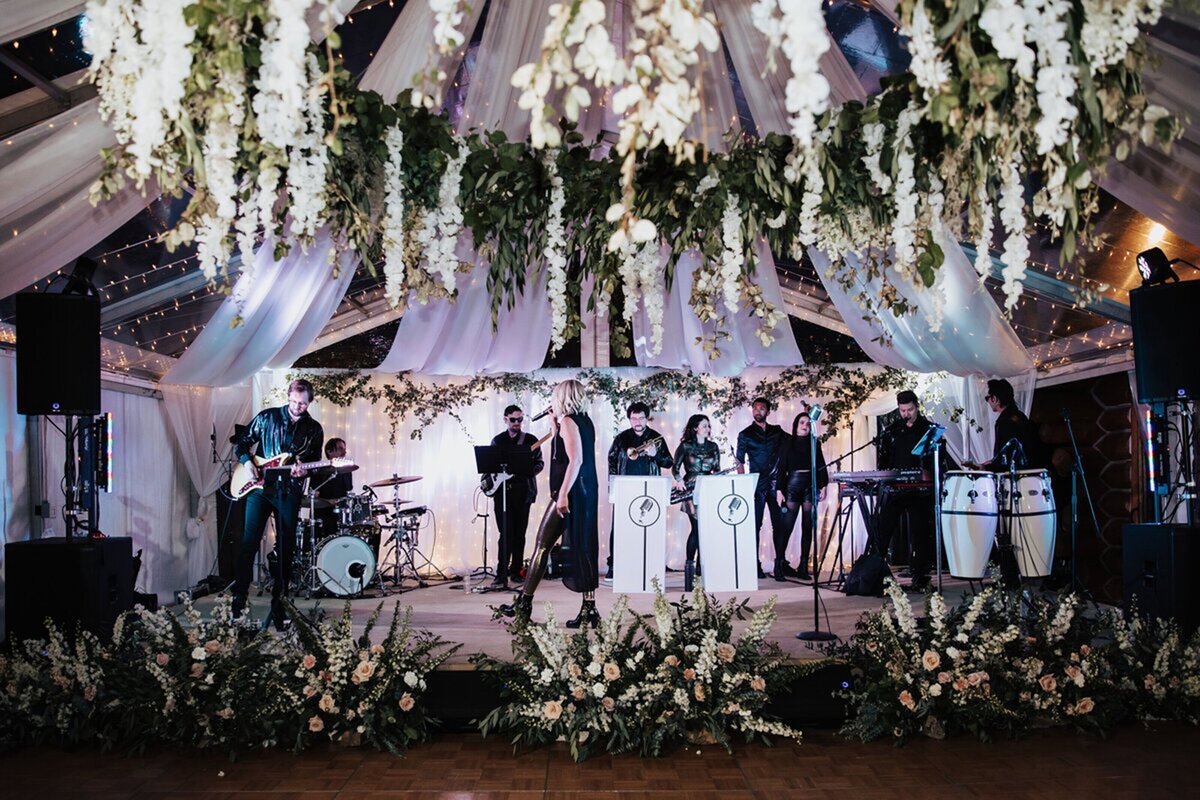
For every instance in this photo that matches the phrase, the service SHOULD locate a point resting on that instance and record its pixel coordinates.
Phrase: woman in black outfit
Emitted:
(796, 489)
(572, 511)
(697, 455)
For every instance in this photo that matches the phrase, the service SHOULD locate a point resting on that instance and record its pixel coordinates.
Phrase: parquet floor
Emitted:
(1135, 762)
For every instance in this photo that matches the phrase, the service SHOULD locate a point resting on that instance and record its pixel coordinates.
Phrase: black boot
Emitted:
(780, 570)
(521, 607)
(588, 615)
(689, 576)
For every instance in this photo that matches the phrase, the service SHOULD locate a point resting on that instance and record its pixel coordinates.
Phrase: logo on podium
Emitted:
(644, 511)
(733, 510)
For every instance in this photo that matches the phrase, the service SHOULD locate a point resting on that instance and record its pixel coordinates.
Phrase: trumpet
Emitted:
(634, 452)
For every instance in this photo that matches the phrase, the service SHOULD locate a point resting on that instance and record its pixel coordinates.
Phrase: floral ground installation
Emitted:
(642, 684)
(1001, 663)
(202, 682)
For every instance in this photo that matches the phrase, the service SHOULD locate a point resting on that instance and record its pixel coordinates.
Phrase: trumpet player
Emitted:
(637, 450)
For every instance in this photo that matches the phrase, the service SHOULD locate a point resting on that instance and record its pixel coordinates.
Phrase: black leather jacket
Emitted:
(619, 462)
(275, 432)
(526, 487)
(763, 448)
(693, 459)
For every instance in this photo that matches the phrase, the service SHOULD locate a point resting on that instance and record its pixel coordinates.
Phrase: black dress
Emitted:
(581, 539)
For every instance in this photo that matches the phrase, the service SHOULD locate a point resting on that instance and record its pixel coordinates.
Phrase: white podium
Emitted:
(639, 531)
(728, 554)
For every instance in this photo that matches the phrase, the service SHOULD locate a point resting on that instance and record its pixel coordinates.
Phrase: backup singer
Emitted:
(795, 488)
(637, 450)
(895, 452)
(287, 429)
(697, 455)
(514, 498)
(572, 512)
(760, 443)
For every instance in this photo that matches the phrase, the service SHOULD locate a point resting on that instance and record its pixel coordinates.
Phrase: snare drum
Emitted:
(345, 565)
(969, 522)
(355, 509)
(1032, 519)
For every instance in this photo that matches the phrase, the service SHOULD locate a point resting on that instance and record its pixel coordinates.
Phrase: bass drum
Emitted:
(1032, 519)
(345, 565)
(969, 522)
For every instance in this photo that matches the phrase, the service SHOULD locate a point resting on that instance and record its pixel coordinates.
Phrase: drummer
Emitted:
(1017, 444)
(332, 487)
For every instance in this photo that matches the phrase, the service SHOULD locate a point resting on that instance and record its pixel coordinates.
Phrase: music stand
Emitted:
(490, 460)
(931, 444)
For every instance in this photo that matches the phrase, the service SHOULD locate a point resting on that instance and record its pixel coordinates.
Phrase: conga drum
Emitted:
(1030, 513)
(969, 522)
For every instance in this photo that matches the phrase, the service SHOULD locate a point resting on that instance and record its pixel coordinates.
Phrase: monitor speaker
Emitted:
(1160, 567)
(58, 354)
(1164, 331)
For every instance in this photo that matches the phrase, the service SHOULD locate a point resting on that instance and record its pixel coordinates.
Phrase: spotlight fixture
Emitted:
(1155, 267)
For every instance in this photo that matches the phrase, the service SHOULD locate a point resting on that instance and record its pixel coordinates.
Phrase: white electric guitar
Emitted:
(245, 481)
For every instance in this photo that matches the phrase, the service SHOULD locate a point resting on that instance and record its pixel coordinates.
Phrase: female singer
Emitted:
(571, 513)
(795, 487)
(697, 455)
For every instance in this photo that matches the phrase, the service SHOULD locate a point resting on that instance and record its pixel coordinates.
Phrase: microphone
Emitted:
(543, 413)
(814, 413)
(1065, 414)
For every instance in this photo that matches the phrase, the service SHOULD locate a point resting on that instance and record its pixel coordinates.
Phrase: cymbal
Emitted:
(395, 480)
(342, 469)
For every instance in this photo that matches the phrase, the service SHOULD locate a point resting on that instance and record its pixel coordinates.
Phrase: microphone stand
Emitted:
(1077, 477)
(816, 634)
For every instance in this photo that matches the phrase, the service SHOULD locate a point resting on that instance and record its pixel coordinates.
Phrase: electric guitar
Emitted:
(491, 482)
(679, 496)
(244, 482)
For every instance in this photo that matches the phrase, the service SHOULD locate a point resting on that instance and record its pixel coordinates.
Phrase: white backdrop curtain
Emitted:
(21, 17)
(150, 498)
(195, 414)
(45, 175)
(681, 327)
(444, 459)
(284, 306)
(15, 519)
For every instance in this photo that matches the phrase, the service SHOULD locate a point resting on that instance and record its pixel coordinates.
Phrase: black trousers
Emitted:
(920, 527)
(765, 496)
(512, 522)
(259, 508)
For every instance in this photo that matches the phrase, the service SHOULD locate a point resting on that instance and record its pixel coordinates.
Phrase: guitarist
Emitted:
(286, 429)
(514, 498)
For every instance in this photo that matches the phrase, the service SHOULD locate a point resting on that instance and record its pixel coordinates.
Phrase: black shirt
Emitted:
(895, 451)
(1013, 424)
(763, 447)
(523, 442)
(797, 457)
(334, 488)
(619, 462)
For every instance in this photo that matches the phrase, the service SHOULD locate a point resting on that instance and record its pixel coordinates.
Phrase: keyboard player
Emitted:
(895, 453)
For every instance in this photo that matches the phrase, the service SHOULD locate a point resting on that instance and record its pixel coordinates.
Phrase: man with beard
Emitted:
(760, 443)
(637, 450)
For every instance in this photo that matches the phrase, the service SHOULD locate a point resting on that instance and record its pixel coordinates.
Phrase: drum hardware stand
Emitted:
(816, 634)
(1078, 477)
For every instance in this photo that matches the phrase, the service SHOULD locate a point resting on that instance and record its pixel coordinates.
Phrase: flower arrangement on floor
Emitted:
(1002, 97)
(1002, 662)
(202, 682)
(641, 684)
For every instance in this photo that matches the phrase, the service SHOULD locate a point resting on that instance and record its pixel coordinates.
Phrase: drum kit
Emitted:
(1017, 506)
(341, 544)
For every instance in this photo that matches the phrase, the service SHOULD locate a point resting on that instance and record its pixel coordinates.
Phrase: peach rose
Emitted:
(552, 709)
(699, 692)
(325, 675)
(931, 660)
(671, 661)
(689, 674)
(309, 661)
(89, 693)
(573, 670)
(1084, 649)
(316, 724)
(161, 659)
(407, 702)
(197, 670)
(1148, 682)
(579, 693)
(611, 671)
(364, 671)
(225, 713)
(1047, 683)
(906, 700)
(310, 691)
(326, 703)
(212, 646)
(726, 652)
(1085, 706)
(608, 703)
(961, 684)
(376, 649)
(758, 684)
(944, 677)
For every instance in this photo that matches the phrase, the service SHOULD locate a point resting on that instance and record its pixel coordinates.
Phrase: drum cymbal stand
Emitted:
(405, 554)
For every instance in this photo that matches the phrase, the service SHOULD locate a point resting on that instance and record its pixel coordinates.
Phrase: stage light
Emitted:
(1155, 267)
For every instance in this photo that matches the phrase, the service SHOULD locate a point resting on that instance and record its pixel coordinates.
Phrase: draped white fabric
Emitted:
(45, 175)
(285, 304)
(443, 457)
(21, 17)
(150, 495)
(682, 329)
(974, 338)
(442, 338)
(15, 520)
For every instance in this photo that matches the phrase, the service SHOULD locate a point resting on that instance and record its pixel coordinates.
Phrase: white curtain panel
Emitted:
(45, 174)
(444, 459)
(682, 329)
(974, 338)
(405, 51)
(150, 495)
(284, 306)
(22, 17)
(15, 519)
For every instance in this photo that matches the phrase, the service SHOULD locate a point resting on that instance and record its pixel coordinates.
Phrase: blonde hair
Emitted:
(567, 397)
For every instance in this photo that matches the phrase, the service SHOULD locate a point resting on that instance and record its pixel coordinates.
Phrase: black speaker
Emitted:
(1160, 571)
(86, 582)
(58, 354)
(1164, 332)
